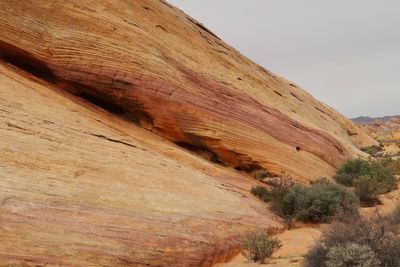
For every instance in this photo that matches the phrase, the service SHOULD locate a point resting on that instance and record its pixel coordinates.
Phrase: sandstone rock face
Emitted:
(149, 62)
(81, 187)
(105, 107)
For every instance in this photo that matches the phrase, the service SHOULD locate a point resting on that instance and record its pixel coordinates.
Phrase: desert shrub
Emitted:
(373, 231)
(316, 203)
(369, 179)
(257, 245)
(351, 254)
(392, 165)
(261, 192)
(354, 166)
(367, 189)
(384, 176)
(372, 150)
(350, 170)
(345, 179)
(281, 187)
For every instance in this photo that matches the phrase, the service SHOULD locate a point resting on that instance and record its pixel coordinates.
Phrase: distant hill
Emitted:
(367, 120)
(385, 129)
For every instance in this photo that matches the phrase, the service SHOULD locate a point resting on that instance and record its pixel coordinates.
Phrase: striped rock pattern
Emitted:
(105, 108)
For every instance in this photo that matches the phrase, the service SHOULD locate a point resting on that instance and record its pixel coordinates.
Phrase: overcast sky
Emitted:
(346, 53)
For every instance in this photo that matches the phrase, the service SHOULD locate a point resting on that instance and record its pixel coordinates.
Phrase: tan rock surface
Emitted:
(80, 187)
(157, 66)
(82, 180)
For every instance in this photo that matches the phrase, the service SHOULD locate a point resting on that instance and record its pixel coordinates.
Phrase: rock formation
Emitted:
(105, 107)
(153, 64)
(386, 129)
(81, 187)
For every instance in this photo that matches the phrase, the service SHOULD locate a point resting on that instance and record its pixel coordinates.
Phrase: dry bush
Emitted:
(257, 245)
(351, 254)
(281, 186)
(348, 228)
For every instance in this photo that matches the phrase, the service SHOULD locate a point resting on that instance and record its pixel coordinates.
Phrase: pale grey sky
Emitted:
(346, 53)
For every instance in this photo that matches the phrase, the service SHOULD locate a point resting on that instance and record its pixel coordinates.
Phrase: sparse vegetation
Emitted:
(351, 240)
(257, 245)
(354, 240)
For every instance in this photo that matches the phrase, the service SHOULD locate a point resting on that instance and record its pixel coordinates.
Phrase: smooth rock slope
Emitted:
(148, 61)
(81, 187)
(107, 109)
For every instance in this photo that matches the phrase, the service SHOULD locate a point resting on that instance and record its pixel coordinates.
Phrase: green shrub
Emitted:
(367, 189)
(372, 150)
(392, 165)
(373, 231)
(354, 166)
(384, 176)
(257, 245)
(369, 179)
(345, 179)
(350, 170)
(351, 254)
(261, 192)
(317, 203)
